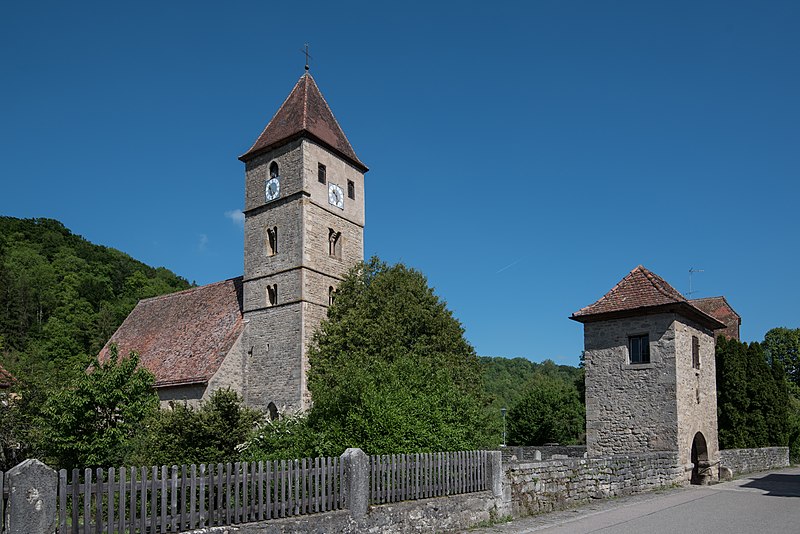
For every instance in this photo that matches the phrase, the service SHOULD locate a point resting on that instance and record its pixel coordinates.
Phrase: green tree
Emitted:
(93, 421)
(185, 435)
(551, 411)
(390, 370)
(752, 397)
(783, 345)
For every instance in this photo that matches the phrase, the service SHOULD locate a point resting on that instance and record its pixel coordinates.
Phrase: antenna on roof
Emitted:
(308, 56)
(692, 270)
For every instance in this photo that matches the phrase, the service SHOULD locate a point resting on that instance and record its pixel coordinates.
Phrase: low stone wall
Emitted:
(741, 461)
(444, 514)
(528, 453)
(536, 487)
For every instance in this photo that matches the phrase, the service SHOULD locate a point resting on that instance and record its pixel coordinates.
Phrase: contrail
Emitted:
(510, 265)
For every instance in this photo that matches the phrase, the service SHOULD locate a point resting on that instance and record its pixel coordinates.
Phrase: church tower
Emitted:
(303, 229)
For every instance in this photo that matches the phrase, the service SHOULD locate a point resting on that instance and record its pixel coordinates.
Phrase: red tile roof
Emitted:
(718, 308)
(6, 378)
(183, 337)
(642, 292)
(304, 112)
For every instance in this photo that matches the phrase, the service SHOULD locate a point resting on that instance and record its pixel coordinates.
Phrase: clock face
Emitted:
(273, 189)
(335, 196)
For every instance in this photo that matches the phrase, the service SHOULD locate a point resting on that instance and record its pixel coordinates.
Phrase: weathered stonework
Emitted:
(656, 406)
(651, 374)
(517, 453)
(537, 487)
(630, 408)
(304, 269)
(740, 461)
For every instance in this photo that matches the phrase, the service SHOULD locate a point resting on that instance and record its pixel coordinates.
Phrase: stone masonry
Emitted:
(664, 399)
(277, 335)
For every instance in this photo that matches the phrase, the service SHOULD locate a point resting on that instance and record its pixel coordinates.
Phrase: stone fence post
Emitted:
(31, 507)
(356, 482)
(495, 473)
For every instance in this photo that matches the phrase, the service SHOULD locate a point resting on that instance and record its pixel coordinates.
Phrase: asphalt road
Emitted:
(761, 503)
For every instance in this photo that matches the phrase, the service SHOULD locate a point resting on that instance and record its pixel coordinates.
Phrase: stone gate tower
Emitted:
(650, 373)
(303, 229)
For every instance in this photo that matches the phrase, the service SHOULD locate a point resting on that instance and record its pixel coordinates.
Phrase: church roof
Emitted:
(304, 113)
(642, 292)
(183, 337)
(6, 378)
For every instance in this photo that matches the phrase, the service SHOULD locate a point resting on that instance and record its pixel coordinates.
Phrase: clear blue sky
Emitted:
(524, 156)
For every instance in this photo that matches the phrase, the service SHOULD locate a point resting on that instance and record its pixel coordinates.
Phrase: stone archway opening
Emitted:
(701, 470)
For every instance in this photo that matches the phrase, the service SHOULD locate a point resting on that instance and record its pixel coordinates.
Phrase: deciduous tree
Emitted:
(550, 412)
(92, 422)
(391, 370)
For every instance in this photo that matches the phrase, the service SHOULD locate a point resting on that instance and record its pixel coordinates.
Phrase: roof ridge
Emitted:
(335, 120)
(285, 100)
(189, 290)
(659, 284)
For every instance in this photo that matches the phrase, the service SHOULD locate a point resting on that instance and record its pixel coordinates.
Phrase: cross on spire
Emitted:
(308, 56)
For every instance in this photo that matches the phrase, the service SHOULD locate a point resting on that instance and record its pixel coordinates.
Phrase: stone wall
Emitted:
(528, 453)
(444, 514)
(741, 461)
(536, 487)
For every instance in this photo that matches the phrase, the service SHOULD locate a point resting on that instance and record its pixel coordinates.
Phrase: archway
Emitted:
(700, 472)
(273, 411)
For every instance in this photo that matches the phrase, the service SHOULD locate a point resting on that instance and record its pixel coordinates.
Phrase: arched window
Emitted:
(331, 295)
(272, 295)
(334, 243)
(273, 411)
(272, 241)
(273, 170)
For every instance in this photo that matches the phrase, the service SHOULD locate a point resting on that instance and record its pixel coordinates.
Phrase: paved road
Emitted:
(762, 503)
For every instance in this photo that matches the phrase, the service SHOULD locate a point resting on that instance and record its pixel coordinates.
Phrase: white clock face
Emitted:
(335, 196)
(273, 189)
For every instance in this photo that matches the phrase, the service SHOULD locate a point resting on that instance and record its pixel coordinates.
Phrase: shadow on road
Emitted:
(777, 485)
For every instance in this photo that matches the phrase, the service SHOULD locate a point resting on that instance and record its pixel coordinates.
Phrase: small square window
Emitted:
(639, 349)
(321, 173)
(351, 189)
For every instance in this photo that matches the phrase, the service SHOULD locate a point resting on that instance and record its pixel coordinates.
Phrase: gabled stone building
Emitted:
(650, 373)
(303, 229)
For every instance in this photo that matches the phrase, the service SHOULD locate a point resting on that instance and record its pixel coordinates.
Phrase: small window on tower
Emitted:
(351, 189)
(321, 173)
(272, 295)
(273, 170)
(695, 352)
(272, 241)
(331, 295)
(639, 349)
(334, 243)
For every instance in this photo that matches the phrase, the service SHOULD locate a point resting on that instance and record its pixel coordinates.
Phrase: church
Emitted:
(303, 230)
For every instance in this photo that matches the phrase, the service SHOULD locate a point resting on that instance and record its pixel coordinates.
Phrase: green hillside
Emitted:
(61, 297)
(507, 379)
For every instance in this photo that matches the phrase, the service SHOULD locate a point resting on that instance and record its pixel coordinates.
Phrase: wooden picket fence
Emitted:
(400, 477)
(176, 499)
